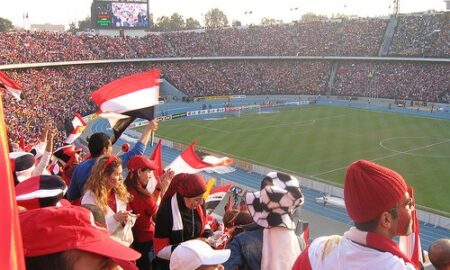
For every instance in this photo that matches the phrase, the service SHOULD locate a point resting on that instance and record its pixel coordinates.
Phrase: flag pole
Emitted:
(152, 138)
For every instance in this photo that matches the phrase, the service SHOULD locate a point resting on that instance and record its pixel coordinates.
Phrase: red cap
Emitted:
(370, 189)
(141, 162)
(67, 153)
(55, 229)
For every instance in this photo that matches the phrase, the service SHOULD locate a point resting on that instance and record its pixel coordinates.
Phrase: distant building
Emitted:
(47, 27)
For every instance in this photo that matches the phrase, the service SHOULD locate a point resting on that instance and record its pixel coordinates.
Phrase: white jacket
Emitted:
(336, 253)
(111, 223)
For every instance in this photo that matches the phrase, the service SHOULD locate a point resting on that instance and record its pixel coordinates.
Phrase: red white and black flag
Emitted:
(11, 86)
(189, 162)
(123, 100)
(410, 245)
(74, 128)
(215, 197)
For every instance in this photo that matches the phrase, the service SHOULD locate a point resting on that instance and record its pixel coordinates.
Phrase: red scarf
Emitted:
(384, 244)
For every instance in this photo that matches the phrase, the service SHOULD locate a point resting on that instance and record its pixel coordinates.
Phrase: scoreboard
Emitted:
(120, 14)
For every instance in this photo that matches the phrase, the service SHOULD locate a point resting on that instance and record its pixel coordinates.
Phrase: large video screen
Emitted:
(115, 14)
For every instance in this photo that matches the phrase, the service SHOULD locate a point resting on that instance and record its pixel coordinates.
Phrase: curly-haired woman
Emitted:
(105, 189)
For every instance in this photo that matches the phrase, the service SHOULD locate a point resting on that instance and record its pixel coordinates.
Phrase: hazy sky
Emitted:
(66, 11)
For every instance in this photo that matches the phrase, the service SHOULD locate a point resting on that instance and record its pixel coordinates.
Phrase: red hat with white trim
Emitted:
(22, 165)
(40, 191)
(66, 154)
(53, 229)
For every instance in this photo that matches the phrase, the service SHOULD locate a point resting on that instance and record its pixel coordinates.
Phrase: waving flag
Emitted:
(215, 197)
(11, 86)
(11, 256)
(221, 165)
(74, 128)
(209, 185)
(157, 158)
(410, 244)
(189, 162)
(123, 100)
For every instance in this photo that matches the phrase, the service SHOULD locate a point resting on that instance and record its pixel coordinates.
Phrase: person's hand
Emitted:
(166, 178)
(151, 127)
(47, 127)
(121, 216)
(50, 135)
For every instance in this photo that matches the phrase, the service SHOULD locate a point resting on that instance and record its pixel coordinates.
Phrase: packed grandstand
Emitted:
(56, 92)
(345, 58)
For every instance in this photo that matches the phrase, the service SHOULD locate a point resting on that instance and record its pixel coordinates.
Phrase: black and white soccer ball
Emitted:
(272, 206)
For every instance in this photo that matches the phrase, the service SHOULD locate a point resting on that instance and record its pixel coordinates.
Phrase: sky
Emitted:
(67, 11)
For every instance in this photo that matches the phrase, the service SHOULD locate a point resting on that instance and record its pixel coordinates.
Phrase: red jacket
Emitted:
(145, 207)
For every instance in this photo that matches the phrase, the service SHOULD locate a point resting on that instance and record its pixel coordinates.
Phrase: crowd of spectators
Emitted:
(348, 37)
(54, 94)
(38, 47)
(425, 82)
(415, 35)
(422, 35)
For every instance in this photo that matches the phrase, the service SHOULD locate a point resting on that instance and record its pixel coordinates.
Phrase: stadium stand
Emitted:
(58, 92)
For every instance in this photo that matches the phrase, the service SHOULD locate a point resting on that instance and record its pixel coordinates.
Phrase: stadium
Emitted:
(305, 98)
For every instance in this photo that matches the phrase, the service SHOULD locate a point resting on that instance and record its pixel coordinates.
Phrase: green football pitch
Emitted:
(320, 141)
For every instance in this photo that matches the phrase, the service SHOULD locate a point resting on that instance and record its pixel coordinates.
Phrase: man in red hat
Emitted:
(378, 202)
(67, 238)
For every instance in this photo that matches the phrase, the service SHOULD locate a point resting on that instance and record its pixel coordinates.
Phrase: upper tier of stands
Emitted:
(53, 94)
(415, 35)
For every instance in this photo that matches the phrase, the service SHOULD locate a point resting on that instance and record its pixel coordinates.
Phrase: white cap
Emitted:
(192, 254)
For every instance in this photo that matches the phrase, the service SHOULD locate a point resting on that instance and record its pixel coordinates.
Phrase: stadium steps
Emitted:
(388, 36)
(168, 89)
(332, 78)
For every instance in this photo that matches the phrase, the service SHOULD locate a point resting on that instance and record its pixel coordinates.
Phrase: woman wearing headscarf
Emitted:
(105, 189)
(146, 192)
(181, 216)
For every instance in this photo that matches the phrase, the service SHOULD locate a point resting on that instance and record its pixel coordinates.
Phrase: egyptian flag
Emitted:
(123, 100)
(221, 165)
(11, 86)
(157, 158)
(215, 197)
(74, 128)
(410, 244)
(189, 162)
(11, 256)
